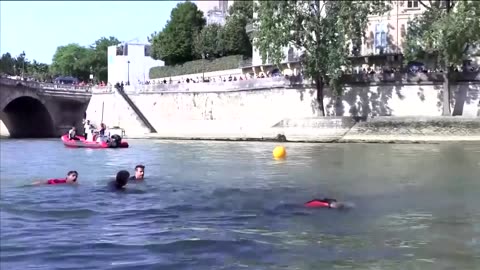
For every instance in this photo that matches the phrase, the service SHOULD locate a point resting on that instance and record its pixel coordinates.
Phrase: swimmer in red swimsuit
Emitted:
(71, 178)
(327, 203)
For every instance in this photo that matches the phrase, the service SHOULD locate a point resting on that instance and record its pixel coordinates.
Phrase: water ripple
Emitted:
(202, 207)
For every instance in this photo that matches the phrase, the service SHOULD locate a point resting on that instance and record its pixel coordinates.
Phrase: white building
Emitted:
(215, 11)
(216, 16)
(384, 34)
(130, 62)
(221, 5)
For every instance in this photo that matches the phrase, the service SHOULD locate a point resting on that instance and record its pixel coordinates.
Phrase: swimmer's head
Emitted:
(72, 176)
(122, 178)
(139, 171)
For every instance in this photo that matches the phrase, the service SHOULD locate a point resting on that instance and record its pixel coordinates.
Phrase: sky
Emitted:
(39, 27)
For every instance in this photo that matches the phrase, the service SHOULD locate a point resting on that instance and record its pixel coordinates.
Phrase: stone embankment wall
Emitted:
(414, 129)
(111, 109)
(251, 107)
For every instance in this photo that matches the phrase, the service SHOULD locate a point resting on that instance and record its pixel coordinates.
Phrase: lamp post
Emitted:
(204, 56)
(128, 72)
(91, 74)
(203, 67)
(23, 63)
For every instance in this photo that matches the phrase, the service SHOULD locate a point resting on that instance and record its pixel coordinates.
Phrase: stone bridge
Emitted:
(40, 110)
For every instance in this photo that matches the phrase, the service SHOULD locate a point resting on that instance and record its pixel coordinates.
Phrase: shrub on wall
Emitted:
(198, 66)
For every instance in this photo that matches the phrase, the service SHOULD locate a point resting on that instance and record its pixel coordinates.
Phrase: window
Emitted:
(125, 50)
(380, 37)
(148, 50)
(291, 55)
(119, 50)
(412, 4)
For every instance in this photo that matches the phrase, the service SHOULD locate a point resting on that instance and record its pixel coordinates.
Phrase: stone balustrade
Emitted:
(275, 82)
(45, 86)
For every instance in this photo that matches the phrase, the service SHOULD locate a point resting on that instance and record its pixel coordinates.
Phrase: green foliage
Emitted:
(209, 42)
(99, 61)
(8, 64)
(73, 60)
(174, 44)
(235, 37)
(197, 66)
(322, 29)
(14, 66)
(232, 39)
(442, 36)
(79, 62)
(243, 10)
(39, 71)
(186, 38)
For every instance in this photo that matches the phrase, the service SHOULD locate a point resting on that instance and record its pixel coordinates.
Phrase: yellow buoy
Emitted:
(279, 152)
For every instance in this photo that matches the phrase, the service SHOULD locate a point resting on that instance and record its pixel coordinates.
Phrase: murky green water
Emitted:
(219, 205)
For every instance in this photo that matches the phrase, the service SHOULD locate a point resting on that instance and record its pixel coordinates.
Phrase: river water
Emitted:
(218, 205)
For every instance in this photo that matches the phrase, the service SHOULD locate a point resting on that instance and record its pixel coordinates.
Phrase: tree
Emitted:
(209, 42)
(235, 37)
(7, 64)
(15, 65)
(323, 30)
(444, 33)
(242, 10)
(73, 60)
(99, 61)
(174, 44)
(39, 71)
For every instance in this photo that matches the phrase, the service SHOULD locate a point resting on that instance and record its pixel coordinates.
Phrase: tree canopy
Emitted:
(79, 61)
(186, 36)
(235, 36)
(15, 66)
(174, 44)
(209, 42)
(69, 60)
(443, 35)
(322, 30)
(99, 61)
(72, 60)
(243, 10)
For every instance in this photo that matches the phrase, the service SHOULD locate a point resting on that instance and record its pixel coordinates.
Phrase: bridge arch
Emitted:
(26, 116)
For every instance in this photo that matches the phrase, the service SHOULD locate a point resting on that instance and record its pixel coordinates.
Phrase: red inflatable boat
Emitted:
(115, 142)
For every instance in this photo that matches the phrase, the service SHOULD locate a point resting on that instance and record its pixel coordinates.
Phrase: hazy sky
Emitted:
(39, 27)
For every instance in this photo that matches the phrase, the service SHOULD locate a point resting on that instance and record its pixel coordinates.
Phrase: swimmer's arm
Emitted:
(36, 183)
(341, 205)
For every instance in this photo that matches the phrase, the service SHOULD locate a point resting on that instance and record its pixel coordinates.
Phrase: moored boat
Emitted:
(115, 142)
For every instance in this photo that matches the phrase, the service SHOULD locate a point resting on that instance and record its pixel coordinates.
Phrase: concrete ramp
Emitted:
(415, 129)
(318, 129)
(134, 107)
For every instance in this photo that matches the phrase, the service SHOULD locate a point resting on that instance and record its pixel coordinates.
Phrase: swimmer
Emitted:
(71, 178)
(120, 181)
(326, 203)
(139, 173)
